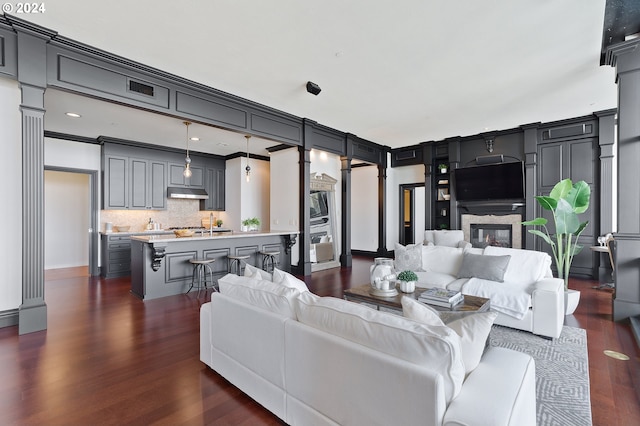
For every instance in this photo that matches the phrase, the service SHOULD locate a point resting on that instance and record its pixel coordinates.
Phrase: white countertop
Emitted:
(156, 232)
(198, 236)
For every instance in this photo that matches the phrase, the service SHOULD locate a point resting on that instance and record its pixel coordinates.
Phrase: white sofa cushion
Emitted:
(442, 259)
(449, 238)
(486, 267)
(288, 280)
(253, 272)
(261, 293)
(508, 298)
(525, 266)
(436, 348)
(408, 258)
(473, 329)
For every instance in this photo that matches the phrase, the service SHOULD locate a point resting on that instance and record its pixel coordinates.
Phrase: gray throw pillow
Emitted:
(408, 258)
(485, 267)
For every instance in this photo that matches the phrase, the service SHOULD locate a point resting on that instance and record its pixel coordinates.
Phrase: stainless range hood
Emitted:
(187, 193)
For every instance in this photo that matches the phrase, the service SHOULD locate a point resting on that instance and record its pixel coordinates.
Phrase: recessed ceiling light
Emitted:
(223, 144)
(195, 138)
(73, 114)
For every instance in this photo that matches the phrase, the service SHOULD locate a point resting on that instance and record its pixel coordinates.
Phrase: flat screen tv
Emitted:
(491, 182)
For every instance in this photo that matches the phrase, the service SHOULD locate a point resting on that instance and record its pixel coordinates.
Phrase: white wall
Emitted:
(395, 177)
(364, 208)
(66, 219)
(324, 162)
(247, 199)
(418, 214)
(285, 195)
(11, 172)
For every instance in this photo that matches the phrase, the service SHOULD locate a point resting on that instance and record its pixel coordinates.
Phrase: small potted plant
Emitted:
(443, 168)
(407, 281)
(254, 224)
(219, 223)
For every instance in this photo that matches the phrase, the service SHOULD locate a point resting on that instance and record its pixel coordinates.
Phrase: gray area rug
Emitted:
(562, 373)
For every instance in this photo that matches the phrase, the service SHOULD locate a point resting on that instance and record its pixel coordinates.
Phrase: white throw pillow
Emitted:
(473, 329)
(288, 280)
(257, 273)
(449, 238)
(442, 259)
(436, 348)
(261, 293)
(408, 258)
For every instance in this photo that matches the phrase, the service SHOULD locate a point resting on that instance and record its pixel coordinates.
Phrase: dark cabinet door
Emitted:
(214, 185)
(157, 185)
(115, 194)
(176, 176)
(139, 183)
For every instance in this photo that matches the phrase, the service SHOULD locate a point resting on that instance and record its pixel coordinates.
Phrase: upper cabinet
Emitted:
(136, 178)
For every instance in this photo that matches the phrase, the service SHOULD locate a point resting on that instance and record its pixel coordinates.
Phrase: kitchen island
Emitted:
(160, 263)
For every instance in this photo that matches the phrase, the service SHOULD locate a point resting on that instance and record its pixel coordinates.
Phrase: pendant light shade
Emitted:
(187, 161)
(248, 168)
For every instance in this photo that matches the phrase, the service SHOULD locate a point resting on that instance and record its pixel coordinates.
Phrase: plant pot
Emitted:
(571, 300)
(407, 286)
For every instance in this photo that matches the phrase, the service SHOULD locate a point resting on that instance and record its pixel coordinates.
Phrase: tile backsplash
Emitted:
(178, 213)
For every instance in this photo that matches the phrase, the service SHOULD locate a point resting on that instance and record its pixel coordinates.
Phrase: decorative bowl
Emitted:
(184, 232)
(122, 228)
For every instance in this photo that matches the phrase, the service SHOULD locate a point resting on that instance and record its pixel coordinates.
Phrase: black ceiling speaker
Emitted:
(313, 88)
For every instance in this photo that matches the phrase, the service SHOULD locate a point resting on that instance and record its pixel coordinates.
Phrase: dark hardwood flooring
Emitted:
(109, 358)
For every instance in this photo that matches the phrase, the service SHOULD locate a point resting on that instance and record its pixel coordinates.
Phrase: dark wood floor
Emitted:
(109, 358)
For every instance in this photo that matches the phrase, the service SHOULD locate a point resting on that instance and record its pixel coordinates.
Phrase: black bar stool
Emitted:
(236, 260)
(200, 267)
(269, 260)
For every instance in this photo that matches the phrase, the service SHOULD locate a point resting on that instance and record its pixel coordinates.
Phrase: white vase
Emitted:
(407, 286)
(571, 300)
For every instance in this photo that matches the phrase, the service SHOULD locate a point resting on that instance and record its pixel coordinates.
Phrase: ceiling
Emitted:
(395, 73)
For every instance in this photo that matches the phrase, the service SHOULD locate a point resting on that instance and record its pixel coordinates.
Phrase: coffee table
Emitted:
(361, 294)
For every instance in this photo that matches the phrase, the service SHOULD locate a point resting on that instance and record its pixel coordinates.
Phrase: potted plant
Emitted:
(219, 223)
(407, 281)
(566, 201)
(443, 168)
(250, 224)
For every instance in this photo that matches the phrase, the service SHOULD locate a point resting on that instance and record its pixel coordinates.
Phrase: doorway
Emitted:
(411, 213)
(70, 219)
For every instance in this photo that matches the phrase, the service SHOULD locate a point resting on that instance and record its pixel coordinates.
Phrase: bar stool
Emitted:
(269, 260)
(236, 260)
(200, 267)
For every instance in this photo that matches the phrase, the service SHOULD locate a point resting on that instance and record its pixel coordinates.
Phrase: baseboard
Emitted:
(635, 326)
(9, 318)
(364, 253)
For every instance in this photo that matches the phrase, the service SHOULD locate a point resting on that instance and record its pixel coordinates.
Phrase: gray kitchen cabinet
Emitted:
(214, 185)
(176, 176)
(134, 183)
(116, 256)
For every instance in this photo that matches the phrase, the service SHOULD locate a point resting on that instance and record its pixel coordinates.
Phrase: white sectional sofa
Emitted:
(326, 361)
(518, 282)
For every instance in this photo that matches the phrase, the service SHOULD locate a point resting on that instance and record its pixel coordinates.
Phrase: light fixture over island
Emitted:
(160, 263)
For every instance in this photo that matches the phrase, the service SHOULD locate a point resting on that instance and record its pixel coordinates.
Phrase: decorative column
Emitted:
(625, 57)
(531, 177)
(345, 256)
(304, 263)
(32, 76)
(606, 141)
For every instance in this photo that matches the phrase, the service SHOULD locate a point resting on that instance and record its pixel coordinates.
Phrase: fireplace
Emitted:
(482, 235)
(494, 230)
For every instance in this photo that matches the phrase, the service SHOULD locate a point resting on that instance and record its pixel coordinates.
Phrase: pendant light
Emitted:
(187, 161)
(248, 168)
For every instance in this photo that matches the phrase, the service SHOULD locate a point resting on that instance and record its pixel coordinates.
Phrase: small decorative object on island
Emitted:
(407, 281)
(383, 276)
(566, 201)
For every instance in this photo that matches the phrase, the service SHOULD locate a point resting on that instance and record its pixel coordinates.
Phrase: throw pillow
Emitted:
(261, 293)
(420, 312)
(408, 258)
(490, 268)
(473, 331)
(449, 238)
(288, 280)
(257, 273)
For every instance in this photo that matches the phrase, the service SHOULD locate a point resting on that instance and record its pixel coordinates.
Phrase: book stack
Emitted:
(441, 297)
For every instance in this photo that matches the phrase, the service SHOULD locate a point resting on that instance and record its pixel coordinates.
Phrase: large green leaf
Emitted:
(547, 203)
(577, 248)
(535, 222)
(561, 189)
(578, 197)
(566, 220)
(543, 236)
(581, 227)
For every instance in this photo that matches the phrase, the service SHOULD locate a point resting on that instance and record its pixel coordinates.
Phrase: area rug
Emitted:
(562, 373)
